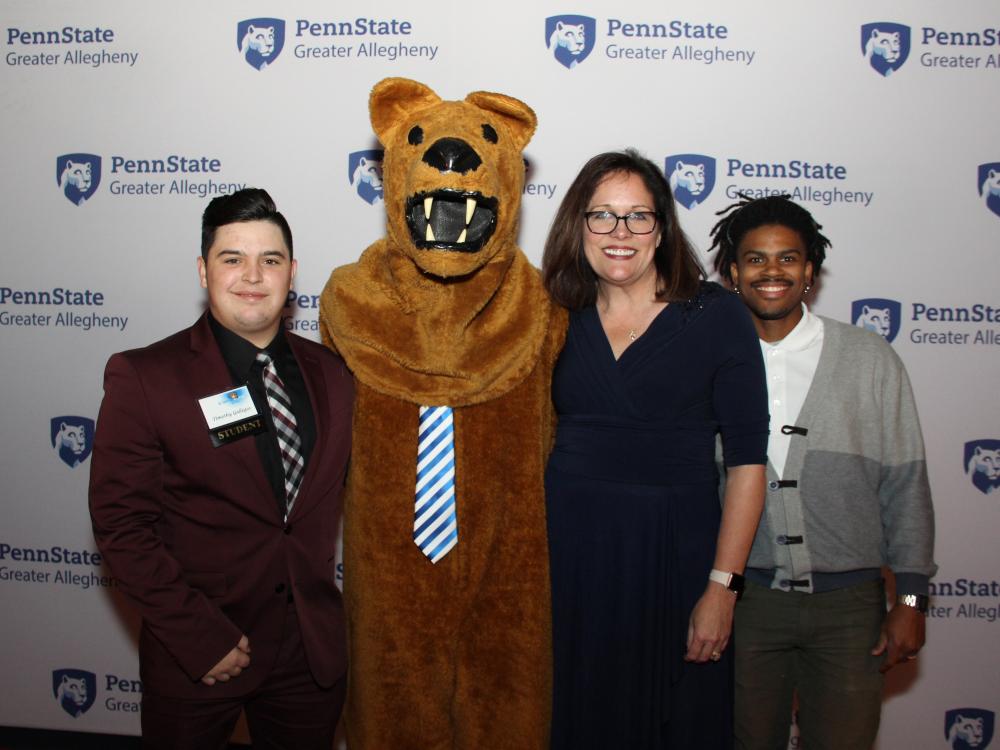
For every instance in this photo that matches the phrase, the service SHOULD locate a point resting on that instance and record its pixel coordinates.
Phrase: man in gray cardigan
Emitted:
(847, 494)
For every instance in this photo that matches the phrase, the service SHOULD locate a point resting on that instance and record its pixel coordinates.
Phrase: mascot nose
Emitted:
(452, 155)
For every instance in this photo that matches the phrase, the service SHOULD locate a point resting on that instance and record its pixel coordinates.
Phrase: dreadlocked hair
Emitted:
(750, 213)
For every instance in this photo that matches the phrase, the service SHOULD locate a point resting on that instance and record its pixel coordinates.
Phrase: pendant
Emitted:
(631, 334)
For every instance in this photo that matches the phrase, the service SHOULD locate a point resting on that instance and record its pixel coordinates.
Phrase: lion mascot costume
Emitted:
(452, 340)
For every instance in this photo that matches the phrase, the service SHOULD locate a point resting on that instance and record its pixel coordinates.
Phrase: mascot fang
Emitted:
(452, 341)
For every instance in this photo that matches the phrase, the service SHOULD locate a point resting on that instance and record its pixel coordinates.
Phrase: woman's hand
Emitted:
(711, 624)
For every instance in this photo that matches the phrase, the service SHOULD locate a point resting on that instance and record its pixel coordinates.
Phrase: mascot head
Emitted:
(453, 174)
(445, 309)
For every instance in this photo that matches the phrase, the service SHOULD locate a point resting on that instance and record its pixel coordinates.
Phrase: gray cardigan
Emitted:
(854, 495)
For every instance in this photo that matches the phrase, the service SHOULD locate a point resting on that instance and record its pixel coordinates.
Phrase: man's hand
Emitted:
(902, 636)
(230, 665)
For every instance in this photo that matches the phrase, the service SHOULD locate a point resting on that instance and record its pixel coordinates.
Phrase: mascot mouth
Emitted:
(451, 220)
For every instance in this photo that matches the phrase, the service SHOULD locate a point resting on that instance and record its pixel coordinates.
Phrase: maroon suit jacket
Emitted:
(193, 533)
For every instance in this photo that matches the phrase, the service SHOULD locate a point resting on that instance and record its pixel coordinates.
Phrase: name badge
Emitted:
(231, 415)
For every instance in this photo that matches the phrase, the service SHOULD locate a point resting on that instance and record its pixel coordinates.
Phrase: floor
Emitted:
(39, 739)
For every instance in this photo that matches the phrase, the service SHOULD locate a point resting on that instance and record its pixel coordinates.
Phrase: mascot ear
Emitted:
(393, 99)
(516, 115)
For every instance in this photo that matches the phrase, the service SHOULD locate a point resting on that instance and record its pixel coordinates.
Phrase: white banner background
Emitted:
(799, 89)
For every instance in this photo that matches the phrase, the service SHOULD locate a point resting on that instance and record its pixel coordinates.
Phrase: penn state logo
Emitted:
(364, 170)
(72, 439)
(966, 728)
(885, 46)
(260, 40)
(691, 178)
(881, 316)
(74, 690)
(78, 176)
(570, 39)
(989, 185)
(982, 464)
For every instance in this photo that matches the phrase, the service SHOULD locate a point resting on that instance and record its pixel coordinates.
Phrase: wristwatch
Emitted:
(732, 581)
(918, 601)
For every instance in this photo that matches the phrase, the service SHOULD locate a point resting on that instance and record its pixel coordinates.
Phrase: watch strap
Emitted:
(720, 576)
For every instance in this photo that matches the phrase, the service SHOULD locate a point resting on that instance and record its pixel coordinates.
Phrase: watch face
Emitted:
(736, 582)
(917, 601)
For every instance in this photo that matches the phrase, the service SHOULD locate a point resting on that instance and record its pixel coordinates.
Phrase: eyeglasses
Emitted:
(605, 222)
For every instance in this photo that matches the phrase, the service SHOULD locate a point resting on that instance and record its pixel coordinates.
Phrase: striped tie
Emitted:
(286, 429)
(435, 525)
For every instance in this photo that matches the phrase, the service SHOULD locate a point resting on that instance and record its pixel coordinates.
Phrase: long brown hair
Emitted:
(567, 275)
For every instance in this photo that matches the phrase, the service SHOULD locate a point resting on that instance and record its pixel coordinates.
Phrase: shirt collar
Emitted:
(239, 354)
(805, 334)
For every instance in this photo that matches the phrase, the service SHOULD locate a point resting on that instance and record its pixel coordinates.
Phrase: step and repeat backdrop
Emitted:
(123, 121)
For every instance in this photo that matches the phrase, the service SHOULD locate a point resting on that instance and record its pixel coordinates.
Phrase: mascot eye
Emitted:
(416, 136)
(489, 133)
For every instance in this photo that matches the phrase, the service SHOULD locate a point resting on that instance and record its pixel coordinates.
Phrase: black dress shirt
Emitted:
(241, 359)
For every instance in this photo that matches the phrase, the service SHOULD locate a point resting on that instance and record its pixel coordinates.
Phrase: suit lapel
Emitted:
(211, 375)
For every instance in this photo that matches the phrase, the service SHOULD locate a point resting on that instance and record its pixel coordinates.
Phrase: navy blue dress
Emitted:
(633, 515)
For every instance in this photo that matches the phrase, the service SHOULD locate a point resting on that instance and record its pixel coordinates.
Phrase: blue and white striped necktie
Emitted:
(435, 525)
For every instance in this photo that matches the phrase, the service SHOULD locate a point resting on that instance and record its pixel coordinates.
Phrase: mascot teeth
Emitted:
(451, 219)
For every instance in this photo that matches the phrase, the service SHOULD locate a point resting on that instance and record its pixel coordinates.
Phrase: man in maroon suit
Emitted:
(215, 494)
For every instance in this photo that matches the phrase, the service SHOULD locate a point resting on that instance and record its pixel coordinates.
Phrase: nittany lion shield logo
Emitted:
(72, 439)
(78, 176)
(691, 178)
(74, 690)
(883, 316)
(364, 170)
(885, 46)
(570, 39)
(260, 40)
(989, 185)
(968, 728)
(981, 461)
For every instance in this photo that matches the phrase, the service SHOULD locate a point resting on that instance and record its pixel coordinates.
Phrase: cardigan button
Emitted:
(773, 485)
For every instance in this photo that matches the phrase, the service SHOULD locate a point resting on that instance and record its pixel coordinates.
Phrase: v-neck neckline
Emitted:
(607, 341)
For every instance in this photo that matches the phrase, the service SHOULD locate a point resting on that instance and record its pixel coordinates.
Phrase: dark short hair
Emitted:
(749, 214)
(567, 275)
(249, 204)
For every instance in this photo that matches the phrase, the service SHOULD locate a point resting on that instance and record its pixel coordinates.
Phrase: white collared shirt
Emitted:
(790, 365)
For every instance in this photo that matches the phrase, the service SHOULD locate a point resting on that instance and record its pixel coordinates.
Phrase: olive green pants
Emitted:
(818, 646)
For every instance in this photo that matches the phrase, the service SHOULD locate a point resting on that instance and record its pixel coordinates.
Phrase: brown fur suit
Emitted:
(455, 654)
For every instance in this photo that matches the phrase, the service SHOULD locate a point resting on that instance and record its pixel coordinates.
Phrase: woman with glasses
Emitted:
(646, 567)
